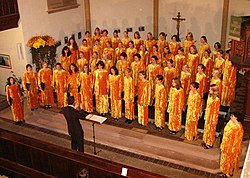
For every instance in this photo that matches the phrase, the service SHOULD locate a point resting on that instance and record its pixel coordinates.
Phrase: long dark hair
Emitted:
(64, 48)
(115, 69)
(75, 46)
(76, 69)
(8, 80)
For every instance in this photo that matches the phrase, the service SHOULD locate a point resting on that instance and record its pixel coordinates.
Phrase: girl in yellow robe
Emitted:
(81, 62)
(129, 94)
(166, 56)
(179, 61)
(137, 66)
(45, 78)
(193, 112)
(86, 82)
(207, 61)
(231, 146)
(104, 38)
(65, 58)
(30, 87)
(110, 52)
(122, 64)
(97, 34)
(219, 61)
(138, 40)
(60, 85)
(74, 50)
(203, 46)
(188, 42)
(162, 42)
(73, 83)
(85, 49)
(174, 45)
(175, 106)
(169, 75)
(120, 49)
(93, 62)
(144, 55)
(144, 92)
(156, 53)
(201, 79)
(193, 61)
(216, 80)
(115, 40)
(101, 88)
(160, 103)
(97, 48)
(130, 51)
(115, 88)
(217, 46)
(14, 99)
(150, 42)
(126, 39)
(185, 82)
(211, 117)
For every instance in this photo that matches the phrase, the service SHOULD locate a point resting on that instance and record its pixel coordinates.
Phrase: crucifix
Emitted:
(178, 20)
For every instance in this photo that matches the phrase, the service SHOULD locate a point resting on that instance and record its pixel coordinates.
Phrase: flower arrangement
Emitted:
(42, 49)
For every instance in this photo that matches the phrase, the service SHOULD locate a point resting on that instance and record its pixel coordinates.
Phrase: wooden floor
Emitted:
(133, 147)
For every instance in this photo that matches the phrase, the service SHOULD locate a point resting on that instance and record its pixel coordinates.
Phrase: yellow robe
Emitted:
(165, 58)
(186, 46)
(219, 63)
(130, 54)
(86, 82)
(231, 147)
(169, 75)
(174, 47)
(14, 97)
(111, 54)
(144, 57)
(115, 87)
(125, 42)
(218, 84)
(158, 55)
(202, 49)
(208, 63)
(138, 43)
(75, 54)
(46, 76)
(65, 62)
(149, 45)
(193, 114)
(211, 120)
(73, 84)
(179, 61)
(160, 105)
(201, 79)
(122, 66)
(228, 84)
(161, 44)
(98, 49)
(175, 107)
(104, 40)
(144, 92)
(30, 81)
(136, 68)
(101, 91)
(129, 93)
(192, 62)
(80, 63)
(118, 52)
(60, 85)
(185, 83)
(87, 51)
(115, 42)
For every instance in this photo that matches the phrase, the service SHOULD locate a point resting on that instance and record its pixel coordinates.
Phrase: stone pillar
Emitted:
(87, 15)
(224, 24)
(155, 18)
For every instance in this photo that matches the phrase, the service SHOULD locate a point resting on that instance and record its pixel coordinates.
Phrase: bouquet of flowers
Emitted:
(43, 49)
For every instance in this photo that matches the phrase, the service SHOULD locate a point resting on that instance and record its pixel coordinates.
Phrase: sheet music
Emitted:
(96, 118)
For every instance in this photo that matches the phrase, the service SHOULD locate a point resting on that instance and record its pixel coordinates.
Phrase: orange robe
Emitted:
(129, 93)
(108, 65)
(149, 45)
(86, 50)
(160, 105)
(115, 42)
(14, 97)
(98, 49)
(165, 58)
(80, 63)
(104, 40)
(101, 91)
(202, 80)
(228, 84)
(179, 61)
(211, 120)
(231, 147)
(136, 68)
(115, 87)
(152, 72)
(138, 43)
(144, 57)
(30, 81)
(60, 84)
(208, 63)
(174, 47)
(130, 54)
(185, 83)
(202, 49)
(89, 41)
(125, 42)
(219, 63)
(122, 66)
(186, 46)
(192, 62)
(73, 84)
(96, 37)
(65, 61)
(111, 54)
(169, 75)
(75, 54)
(161, 44)
(86, 82)
(144, 92)
(218, 84)
(175, 107)
(158, 55)
(118, 52)
(193, 114)
(45, 76)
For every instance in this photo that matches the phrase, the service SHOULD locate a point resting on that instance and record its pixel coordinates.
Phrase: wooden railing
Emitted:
(57, 161)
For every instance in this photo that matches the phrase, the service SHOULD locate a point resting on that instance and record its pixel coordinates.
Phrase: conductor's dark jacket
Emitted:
(72, 116)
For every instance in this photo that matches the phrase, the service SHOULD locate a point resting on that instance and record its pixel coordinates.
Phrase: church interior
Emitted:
(41, 146)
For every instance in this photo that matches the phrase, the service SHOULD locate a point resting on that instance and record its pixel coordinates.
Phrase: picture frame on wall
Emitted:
(5, 61)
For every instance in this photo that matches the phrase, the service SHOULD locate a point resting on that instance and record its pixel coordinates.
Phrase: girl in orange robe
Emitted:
(174, 45)
(86, 82)
(73, 83)
(65, 58)
(115, 88)
(150, 42)
(30, 87)
(131, 51)
(219, 61)
(166, 56)
(115, 40)
(179, 61)
(201, 79)
(217, 46)
(175, 106)
(60, 85)
(74, 50)
(85, 49)
(231, 146)
(144, 55)
(216, 80)
(203, 46)
(144, 92)
(193, 61)
(138, 40)
(162, 42)
(160, 103)
(122, 64)
(193, 112)
(81, 62)
(97, 48)
(97, 34)
(14, 99)
(211, 117)
(208, 63)
(104, 39)
(129, 94)
(110, 52)
(89, 39)
(137, 66)
(45, 77)
(185, 82)
(157, 54)
(169, 75)
(126, 39)
(188, 42)
(120, 49)
(101, 88)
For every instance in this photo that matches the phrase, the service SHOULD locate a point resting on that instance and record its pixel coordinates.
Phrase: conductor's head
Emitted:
(71, 100)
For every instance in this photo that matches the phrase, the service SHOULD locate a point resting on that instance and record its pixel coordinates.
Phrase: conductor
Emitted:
(75, 130)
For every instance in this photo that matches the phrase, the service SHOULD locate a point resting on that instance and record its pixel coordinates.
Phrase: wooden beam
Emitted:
(87, 15)
(224, 24)
(155, 18)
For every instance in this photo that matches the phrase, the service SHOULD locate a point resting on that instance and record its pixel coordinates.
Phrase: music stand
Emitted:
(95, 119)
